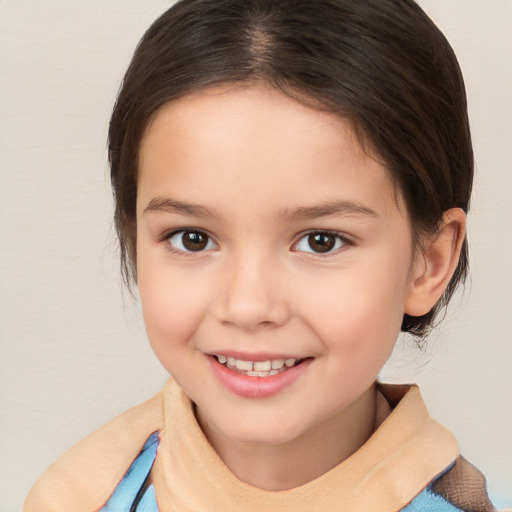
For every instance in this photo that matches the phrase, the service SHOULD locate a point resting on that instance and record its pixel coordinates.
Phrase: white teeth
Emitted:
(257, 368)
(262, 366)
(263, 374)
(244, 365)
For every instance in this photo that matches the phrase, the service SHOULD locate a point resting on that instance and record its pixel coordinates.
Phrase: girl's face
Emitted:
(266, 237)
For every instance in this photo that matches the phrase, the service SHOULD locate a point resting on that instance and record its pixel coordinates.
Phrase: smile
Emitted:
(257, 368)
(257, 379)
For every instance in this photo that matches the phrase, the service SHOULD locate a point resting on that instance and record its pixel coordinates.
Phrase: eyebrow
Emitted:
(326, 209)
(169, 205)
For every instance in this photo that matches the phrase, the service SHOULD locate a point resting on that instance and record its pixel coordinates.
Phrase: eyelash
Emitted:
(166, 237)
(345, 241)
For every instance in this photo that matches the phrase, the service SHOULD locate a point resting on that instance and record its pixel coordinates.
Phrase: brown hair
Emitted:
(383, 64)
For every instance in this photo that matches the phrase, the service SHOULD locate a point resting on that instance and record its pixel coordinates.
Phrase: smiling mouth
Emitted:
(258, 368)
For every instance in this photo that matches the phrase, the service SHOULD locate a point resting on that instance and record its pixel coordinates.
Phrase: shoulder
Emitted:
(446, 481)
(84, 477)
(462, 487)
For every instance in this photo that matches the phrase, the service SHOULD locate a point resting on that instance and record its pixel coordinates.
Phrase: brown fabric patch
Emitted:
(465, 487)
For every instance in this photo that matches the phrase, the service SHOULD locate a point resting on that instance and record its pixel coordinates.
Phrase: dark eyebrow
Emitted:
(327, 209)
(169, 205)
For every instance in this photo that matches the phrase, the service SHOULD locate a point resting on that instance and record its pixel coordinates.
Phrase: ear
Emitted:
(435, 263)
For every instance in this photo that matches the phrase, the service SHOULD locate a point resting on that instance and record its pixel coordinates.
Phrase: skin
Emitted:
(253, 159)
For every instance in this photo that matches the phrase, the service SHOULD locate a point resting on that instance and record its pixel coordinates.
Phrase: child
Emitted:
(291, 180)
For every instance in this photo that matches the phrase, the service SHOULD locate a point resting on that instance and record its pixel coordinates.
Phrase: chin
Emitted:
(261, 431)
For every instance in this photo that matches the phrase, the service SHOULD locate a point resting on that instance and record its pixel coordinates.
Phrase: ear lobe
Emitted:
(436, 263)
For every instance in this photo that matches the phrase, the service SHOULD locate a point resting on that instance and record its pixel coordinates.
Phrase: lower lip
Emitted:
(256, 387)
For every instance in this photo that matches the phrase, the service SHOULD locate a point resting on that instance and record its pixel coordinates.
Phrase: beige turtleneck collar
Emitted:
(403, 455)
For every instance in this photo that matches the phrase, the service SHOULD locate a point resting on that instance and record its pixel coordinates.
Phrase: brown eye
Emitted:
(320, 242)
(194, 241)
(190, 241)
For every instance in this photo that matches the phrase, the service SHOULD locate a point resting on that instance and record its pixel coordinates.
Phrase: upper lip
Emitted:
(253, 356)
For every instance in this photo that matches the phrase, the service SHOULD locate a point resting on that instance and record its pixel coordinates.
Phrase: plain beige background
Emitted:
(73, 351)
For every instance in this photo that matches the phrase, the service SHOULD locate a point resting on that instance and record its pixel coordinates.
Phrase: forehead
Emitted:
(257, 141)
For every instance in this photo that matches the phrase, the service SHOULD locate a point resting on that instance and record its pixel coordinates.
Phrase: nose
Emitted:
(253, 295)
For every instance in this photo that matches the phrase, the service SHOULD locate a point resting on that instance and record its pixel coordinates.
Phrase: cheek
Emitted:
(358, 308)
(172, 305)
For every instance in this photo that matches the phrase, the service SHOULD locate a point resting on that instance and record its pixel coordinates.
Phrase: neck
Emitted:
(297, 462)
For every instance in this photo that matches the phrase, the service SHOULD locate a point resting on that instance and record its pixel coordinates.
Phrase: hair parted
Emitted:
(382, 64)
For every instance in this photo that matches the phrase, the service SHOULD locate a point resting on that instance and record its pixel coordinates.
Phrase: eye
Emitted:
(190, 241)
(320, 242)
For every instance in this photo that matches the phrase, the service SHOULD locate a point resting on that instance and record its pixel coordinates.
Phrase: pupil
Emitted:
(321, 242)
(194, 241)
